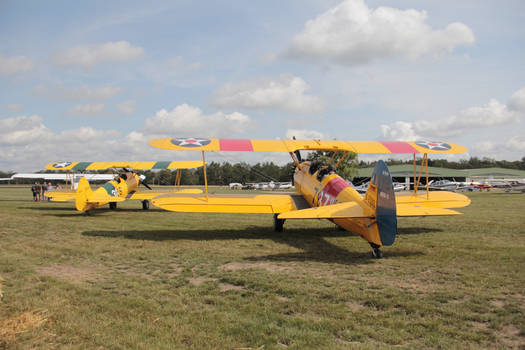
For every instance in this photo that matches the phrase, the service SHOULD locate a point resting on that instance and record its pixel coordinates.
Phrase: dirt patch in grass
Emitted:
(510, 336)
(70, 273)
(10, 327)
(197, 281)
(236, 266)
(354, 306)
(224, 287)
(498, 303)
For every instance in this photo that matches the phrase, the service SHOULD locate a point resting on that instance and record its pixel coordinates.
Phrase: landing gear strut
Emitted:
(145, 204)
(278, 224)
(112, 205)
(376, 252)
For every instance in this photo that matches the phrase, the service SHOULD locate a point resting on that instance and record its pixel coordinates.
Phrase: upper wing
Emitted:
(201, 144)
(81, 166)
(263, 204)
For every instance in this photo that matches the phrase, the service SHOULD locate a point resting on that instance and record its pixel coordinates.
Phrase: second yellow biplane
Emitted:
(124, 186)
(320, 193)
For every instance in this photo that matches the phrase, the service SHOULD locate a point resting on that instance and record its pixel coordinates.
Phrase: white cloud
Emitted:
(27, 144)
(22, 129)
(301, 134)
(185, 120)
(351, 33)
(490, 115)
(512, 148)
(286, 93)
(89, 55)
(88, 109)
(517, 100)
(127, 107)
(15, 64)
(15, 107)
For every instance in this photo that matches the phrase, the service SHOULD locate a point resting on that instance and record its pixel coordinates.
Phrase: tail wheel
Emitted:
(376, 252)
(145, 204)
(112, 205)
(278, 224)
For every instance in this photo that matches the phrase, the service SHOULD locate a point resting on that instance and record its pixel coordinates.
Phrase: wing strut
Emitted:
(424, 163)
(205, 179)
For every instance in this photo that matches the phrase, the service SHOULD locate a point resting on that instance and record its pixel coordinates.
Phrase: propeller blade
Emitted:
(142, 179)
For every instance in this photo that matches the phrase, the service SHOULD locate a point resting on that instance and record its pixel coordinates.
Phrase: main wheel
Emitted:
(278, 224)
(112, 205)
(145, 204)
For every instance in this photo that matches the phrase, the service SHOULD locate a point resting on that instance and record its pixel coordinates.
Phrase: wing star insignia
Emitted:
(61, 164)
(190, 142)
(433, 145)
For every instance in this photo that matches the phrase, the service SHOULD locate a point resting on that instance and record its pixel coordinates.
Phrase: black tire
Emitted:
(377, 253)
(112, 205)
(278, 224)
(145, 204)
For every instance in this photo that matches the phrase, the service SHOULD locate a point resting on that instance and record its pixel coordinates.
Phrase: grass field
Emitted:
(134, 279)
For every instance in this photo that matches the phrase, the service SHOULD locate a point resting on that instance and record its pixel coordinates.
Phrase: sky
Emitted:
(96, 80)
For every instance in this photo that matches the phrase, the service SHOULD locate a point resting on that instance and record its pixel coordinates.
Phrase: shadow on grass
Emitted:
(311, 242)
(92, 212)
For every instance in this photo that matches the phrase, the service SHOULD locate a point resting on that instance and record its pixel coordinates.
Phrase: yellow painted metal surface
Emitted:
(190, 164)
(263, 204)
(436, 199)
(293, 145)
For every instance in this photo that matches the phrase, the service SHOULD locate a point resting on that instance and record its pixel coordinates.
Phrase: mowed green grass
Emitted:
(134, 279)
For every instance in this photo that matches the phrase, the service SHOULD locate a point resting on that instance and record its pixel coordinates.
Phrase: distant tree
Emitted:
(347, 167)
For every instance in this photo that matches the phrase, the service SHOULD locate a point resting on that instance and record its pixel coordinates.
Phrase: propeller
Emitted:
(142, 179)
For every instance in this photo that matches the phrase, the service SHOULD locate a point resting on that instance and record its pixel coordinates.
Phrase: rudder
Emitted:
(380, 196)
(82, 194)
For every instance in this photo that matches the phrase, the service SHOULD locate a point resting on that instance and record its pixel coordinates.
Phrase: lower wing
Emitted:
(151, 194)
(261, 204)
(348, 210)
(436, 199)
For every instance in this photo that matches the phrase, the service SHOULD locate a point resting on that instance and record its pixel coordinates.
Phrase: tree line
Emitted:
(224, 173)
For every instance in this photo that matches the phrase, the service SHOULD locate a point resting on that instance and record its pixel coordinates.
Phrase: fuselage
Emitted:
(124, 185)
(320, 186)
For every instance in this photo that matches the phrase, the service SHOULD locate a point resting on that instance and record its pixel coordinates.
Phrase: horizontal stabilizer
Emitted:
(100, 198)
(61, 196)
(334, 211)
(414, 210)
(435, 199)
(263, 204)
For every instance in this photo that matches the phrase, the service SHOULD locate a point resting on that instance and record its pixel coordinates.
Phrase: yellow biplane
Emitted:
(320, 193)
(123, 187)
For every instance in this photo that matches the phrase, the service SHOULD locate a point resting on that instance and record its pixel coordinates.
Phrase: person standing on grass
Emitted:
(44, 189)
(34, 189)
(38, 191)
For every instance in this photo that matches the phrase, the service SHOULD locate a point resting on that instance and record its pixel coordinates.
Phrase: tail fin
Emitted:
(380, 196)
(82, 194)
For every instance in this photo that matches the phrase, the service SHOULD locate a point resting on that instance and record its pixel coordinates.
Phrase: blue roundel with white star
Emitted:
(190, 142)
(434, 145)
(61, 165)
